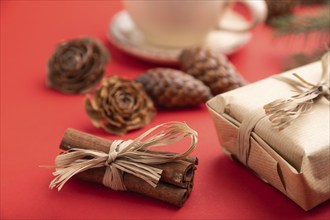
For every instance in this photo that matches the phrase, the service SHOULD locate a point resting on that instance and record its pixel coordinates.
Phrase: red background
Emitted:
(34, 118)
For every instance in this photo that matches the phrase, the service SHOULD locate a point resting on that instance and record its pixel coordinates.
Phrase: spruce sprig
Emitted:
(303, 24)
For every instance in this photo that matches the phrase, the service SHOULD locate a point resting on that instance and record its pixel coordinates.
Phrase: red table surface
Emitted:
(34, 118)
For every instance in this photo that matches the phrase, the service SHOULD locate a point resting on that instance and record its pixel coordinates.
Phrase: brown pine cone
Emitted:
(172, 88)
(119, 106)
(213, 69)
(76, 66)
(279, 8)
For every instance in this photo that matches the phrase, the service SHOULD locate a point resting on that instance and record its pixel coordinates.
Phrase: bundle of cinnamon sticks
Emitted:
(176, 180)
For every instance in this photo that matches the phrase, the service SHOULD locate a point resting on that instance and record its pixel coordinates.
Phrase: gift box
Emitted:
(295, 159)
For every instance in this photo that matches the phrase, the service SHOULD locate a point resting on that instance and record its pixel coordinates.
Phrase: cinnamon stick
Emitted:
(77, 139)
(179, 173)
(176, 179)
(163, 191)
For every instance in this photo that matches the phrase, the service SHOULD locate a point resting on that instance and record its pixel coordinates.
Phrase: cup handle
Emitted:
(258, 11)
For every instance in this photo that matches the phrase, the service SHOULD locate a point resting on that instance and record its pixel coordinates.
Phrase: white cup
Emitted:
(182, 23)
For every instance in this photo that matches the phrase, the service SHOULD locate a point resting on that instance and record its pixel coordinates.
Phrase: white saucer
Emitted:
(126, 36)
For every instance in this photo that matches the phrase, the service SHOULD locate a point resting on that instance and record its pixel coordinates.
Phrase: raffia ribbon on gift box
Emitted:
(130, 156)
(282, 112)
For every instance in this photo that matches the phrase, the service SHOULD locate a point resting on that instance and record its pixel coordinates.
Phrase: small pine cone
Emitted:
(279, 8)
(213, 69)
(172, 88)
(119, 106)
(76, 66)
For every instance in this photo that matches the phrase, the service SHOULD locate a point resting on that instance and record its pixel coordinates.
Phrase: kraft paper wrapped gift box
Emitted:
(296, 159)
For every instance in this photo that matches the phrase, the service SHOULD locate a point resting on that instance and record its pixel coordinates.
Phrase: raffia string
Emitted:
(282, 112)
(126, 156)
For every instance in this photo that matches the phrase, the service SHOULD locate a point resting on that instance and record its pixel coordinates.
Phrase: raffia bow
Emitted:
(282, 112)
(130, 156)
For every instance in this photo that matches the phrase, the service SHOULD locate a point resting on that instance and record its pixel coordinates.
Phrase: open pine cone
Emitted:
(172, 88)
(76, 66)
(213, 69)
(119, 106)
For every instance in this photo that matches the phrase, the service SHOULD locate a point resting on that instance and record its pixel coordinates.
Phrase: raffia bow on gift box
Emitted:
(286, 141)
(282, 112)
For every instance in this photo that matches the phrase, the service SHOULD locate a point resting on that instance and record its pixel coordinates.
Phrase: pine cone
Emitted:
(119, 106)
(76, 66)
(213, 69)
(172, 88)
(279, 8)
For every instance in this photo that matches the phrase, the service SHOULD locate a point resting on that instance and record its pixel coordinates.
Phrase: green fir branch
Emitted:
(300, 59)
(302, 24)
(307, 26)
